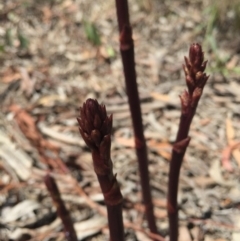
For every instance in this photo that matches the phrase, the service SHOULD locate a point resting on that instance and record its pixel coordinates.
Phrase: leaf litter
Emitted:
(50, 67)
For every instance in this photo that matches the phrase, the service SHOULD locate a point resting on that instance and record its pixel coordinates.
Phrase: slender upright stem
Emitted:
(95, 127)
(62, 212)
(195, 80)
(127, 53)
(115, 221)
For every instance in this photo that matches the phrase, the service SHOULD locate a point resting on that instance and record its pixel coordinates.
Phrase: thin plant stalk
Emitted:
(62, 212)
(195, 79)
(95, 128)
(127, 53)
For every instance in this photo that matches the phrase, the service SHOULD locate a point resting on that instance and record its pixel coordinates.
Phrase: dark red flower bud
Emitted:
(96, 137)
(194, 68)
(94, 123)
(196, 54)
(97, 122)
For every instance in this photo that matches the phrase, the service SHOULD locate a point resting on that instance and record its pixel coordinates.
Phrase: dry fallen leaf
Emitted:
(229, 130)
(16, 158)
(89, 227)
(9, 75)
(20, 210)
(230, 133)
(184, 234)
(127, 142)
(162, 148)
(216, 174)
(27, 83)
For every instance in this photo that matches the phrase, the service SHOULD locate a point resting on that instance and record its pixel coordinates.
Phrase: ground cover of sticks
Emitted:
(49, 68)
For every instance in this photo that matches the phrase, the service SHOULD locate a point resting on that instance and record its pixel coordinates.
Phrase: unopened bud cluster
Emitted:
(95, 128)
(195, 77)
(94, 124)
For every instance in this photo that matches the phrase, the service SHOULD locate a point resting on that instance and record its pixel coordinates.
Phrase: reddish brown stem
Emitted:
(195, 80)
(95, 127)
(113, 199)
(127, 53)
(62, 212)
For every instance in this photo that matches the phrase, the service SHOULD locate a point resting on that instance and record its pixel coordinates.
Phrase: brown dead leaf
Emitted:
(141, 236)
(195, 232)
(162, 148)
(158, 96)
(232, 147)
(147, 4)
(216, 174)
(127, 142)
(203, 181)
(28, 127)
(236, 155)
(232, 63)
(50, 100)
(225, 159)
(184, 234)
(229, 131)
(47, 14)
(26, 123)
(27, 83)
(205, 121)
(160, 203)
(11, 74)
(81, 57)
(159, 213)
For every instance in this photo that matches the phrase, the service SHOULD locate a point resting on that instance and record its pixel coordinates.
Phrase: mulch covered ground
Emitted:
(49, 68)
